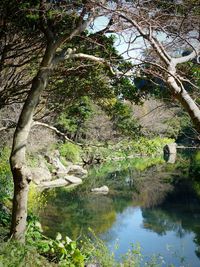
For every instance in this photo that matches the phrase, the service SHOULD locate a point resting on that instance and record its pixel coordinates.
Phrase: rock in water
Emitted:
(73, 179)
(101, 190)
(55, 183)
(77, 170)
(41, 173)
(170, 151)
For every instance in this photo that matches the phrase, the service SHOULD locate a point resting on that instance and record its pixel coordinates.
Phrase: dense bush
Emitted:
(61, 251)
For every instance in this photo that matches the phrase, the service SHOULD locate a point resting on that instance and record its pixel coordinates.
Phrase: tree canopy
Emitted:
(50, 57)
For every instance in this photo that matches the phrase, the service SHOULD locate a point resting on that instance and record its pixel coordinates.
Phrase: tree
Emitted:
(56, 27)
(20, 52)
(58, 23)
(72, 120)
(169, 28)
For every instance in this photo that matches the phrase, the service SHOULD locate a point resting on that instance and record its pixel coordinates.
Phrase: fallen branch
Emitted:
(37, 123)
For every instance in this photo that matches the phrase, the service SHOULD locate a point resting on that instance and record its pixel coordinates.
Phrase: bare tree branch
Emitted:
(37, 123)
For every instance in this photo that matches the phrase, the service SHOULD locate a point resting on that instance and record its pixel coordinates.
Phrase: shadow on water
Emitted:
(162, 202)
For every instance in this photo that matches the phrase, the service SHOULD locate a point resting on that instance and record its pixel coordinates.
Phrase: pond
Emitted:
(150, 203)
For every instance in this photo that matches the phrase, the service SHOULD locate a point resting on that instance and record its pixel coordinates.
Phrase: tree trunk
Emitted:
(20, 170)
(19, 214)
(191, 107)
(187, 102)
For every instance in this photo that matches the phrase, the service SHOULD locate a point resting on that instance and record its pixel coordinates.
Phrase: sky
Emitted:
(121, 42)
(136, 49)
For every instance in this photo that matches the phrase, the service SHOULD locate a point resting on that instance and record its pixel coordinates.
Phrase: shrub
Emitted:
(36, 200)
(15, 254)
(70, 152)
(61, 251)
(40, 250)
(128, 148)
(149, 147)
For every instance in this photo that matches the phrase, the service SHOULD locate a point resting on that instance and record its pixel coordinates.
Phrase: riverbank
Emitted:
(34, 239)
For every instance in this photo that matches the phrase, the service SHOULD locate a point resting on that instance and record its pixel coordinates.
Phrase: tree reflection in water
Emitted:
(179, 210)
(166, 193)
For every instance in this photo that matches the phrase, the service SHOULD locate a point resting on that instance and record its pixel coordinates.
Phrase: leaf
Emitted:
(68, 240)
(73, 245)
(38, 225)
(58, 237)
(78, 257)
(61, 245)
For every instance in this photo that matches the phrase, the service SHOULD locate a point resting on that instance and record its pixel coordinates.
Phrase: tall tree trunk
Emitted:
(191, 107)
(186, 101)
(20, 170)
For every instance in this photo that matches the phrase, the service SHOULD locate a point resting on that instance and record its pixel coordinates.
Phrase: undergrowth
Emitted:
(127, 148)
(40, 250)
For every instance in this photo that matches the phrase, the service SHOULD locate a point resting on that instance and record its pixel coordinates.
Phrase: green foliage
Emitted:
(72, 119)
(127, 89)
(67, 124)
(40, 250)
(19, 255)
(128, 149)
(6, 184)
(195, 166)
(196, 187)
(150, 147)
(70, 152)
(196, 74)
(62, 251)
(36, 200)
(66, 252)
(32, 160)
(4, 218)
(122, 117)
(99, 253)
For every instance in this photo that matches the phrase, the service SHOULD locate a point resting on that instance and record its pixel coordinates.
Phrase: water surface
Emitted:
(150, 202)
